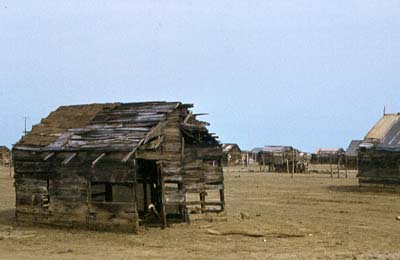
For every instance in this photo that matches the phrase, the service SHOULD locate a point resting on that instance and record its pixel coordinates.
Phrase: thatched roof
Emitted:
(385, 134)
(382, 127)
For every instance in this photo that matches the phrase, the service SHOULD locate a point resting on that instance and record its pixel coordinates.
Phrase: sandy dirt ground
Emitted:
(268, 216)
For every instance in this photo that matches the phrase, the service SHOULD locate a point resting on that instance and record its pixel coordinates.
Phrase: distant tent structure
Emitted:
(379, 153)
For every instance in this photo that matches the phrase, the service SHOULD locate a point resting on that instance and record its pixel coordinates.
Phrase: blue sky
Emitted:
(303, 73)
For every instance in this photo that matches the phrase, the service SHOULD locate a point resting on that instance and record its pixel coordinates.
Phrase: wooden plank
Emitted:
(48, 156)
(69, 158)
(129, 155)
(98, 159)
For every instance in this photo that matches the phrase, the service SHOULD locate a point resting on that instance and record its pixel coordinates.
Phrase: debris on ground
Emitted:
(244, 215)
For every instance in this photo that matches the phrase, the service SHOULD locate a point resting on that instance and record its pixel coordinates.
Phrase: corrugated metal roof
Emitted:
(276, 148)
(352, 150)
(329, 150)
(391, 141)
(256, 150)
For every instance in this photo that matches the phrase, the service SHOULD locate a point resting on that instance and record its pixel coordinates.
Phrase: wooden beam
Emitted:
(48, 156)
(98, 159)
(183, 149)
(187, 117)
(147, 137)
(163, 200)
(129, 155)
(68, 159)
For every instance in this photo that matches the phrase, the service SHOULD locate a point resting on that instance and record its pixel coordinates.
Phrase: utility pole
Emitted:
(25, 118)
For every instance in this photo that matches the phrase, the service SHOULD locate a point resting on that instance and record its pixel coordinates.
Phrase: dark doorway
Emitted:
(149, 189)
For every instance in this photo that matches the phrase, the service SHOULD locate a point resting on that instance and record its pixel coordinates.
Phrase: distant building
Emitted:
(379, 153)
(232, 155)
(278, 158)
(4, 155)
(328, 156)
(352, 154)
(108, 166)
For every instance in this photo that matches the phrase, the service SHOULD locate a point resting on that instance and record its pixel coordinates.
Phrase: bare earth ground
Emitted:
(269, 216)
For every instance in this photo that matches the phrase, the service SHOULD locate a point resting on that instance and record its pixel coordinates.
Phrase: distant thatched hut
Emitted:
(232, 155)
(379, 153)
(106, 165)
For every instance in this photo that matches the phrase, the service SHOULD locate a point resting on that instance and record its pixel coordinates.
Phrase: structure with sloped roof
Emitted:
(232, 155)
(351, 160)
(352, 150)
(4, 155)
(328, 156)
(110, 166)
(279, 158)
(379, 153)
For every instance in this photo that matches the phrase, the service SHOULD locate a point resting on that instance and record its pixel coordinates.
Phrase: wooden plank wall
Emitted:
(379, 167)
(49, 192)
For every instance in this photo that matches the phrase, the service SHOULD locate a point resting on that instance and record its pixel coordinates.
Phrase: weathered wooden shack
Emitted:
(328, 156)
(4, 155)
(108, 166)
(232, 155)
(379, 154)
(254, 155)
(279, 159)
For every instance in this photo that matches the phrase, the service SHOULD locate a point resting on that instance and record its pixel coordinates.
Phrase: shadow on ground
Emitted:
(358, 189)
(7, 217)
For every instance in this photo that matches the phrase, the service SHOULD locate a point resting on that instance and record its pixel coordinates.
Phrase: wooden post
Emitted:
(330, 165)
(338, 168)
(287, 165)
(10, 163)
(135, 190)
(345, 165)
(202, 201)
(263, 164)
(293, 166)
(163, 201)
(183, 149)
(145, 195)
(222, 199)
